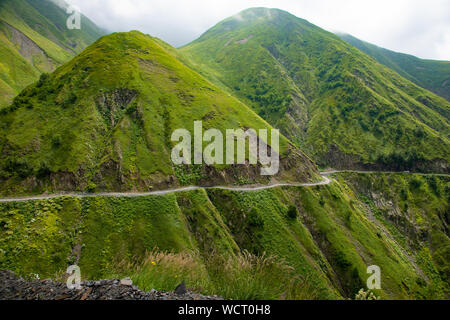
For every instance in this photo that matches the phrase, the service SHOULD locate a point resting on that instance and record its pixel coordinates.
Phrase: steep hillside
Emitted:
(104, 121)
(429, 74)
(294, 243)
(345, 109)
(34, 39)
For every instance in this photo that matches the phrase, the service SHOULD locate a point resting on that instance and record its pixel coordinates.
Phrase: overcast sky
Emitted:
(418, 27)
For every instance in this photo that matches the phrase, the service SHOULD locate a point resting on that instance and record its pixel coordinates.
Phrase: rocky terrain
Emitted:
(16, 288)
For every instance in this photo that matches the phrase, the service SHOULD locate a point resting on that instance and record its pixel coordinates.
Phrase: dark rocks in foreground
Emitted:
(16, 288)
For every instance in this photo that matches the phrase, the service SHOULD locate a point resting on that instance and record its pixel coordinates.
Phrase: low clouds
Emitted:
(421, 28)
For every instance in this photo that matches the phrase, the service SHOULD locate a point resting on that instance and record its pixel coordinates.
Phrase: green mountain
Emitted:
(34, 39)
(282, 243)
(429, 74)
(104, 121)
(342, 107)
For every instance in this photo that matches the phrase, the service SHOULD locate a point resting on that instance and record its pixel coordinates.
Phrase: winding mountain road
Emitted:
(325, 181)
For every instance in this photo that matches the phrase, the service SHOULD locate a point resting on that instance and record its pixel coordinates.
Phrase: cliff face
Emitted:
(322, 237)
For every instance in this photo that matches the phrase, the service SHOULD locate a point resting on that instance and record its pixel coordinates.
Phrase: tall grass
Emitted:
(241, 277)
(165, 270)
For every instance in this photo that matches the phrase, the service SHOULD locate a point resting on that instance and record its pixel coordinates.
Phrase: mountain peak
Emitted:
(109, 116)
(261, 15)
(315, 87)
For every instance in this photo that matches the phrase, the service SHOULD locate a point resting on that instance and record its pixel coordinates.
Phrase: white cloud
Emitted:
(417, 27)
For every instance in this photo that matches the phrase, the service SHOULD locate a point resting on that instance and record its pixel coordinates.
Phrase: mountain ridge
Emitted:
(323, 93)
(109, 115)
(97, 132)
(34, 39)
(433, 75)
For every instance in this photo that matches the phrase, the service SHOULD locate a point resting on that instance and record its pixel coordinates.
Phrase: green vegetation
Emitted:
(292, 212)
(34, 39)
(244, 245)
(103, 122)
(339, 105)
(429, 74)
(107, 116)
(243, 276)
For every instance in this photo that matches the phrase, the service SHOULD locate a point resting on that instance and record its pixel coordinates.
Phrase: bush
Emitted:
(433, 183)
(19, 167)
(71, 99)
(292, 212)
(415, 184)
(322, 201)
(255, 220)
(43, 171)
(42, 79)
(91, 187)
(56, 141)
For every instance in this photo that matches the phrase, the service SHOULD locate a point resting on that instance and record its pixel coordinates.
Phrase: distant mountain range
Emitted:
(429, 74)
(34, 39)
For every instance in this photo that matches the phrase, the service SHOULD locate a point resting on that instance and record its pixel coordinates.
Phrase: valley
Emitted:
(394, 220)
(88, 177)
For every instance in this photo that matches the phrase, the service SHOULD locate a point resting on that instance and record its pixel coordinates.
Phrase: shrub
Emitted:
(91, 187)
(404, 194)
(292, 212)
(42, 79)
(415, 184)
(70, 100)
(255, 220)
(322, 201)
(433, 183)
(56, 141)
(43, 171)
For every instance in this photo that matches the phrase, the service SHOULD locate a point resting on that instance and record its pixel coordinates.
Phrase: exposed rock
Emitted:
(181, 289)
(30, 50)
(244, 41)
(110, 104)
(126, 282)
(16, 288)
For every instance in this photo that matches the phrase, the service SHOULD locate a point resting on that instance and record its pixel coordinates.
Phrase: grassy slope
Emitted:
(44, 24)
(341, 229)
(429, 74)
(107, 116)
(322, 92)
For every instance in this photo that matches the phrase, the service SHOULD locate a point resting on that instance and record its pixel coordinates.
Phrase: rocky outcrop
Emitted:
(16, 288)
(30, 50)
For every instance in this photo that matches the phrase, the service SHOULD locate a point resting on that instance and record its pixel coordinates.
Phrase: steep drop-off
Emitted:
(398, 222)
